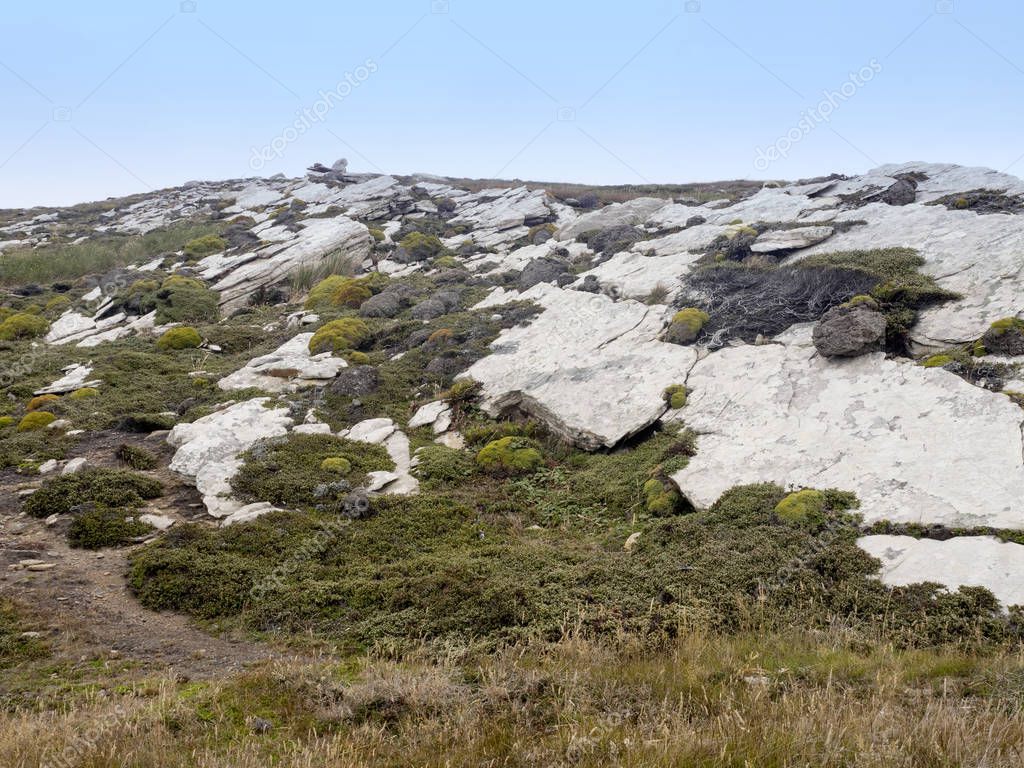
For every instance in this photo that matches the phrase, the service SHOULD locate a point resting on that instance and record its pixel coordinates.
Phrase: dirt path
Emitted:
(84, 596)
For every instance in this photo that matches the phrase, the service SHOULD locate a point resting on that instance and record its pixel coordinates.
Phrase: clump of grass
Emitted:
(136, 457)
(23, 325)
(182, 337)
(99, 527)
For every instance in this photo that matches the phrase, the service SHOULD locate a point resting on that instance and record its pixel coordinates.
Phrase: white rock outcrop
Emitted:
(208, 449)
(591, 368)
(916, 445)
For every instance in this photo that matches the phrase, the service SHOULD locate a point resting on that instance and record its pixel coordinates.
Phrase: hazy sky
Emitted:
(105, 98)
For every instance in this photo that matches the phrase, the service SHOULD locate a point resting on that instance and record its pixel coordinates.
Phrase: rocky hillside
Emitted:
(378, 412)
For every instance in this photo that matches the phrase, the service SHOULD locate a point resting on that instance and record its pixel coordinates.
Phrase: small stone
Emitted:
(73, 466)
(631, 541)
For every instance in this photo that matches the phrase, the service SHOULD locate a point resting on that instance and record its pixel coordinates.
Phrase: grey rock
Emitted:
(429, 309)
(546, 269)
(849, 331)
(590, 284)
(381, 305)
(355, 381)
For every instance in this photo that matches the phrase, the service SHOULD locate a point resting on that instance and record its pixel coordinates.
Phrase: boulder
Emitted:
(849, 331)
(547, 269)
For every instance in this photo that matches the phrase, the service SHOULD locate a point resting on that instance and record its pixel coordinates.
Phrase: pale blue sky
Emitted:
(109, 97)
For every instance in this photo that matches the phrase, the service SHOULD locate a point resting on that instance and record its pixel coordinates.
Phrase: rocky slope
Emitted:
(920, 420)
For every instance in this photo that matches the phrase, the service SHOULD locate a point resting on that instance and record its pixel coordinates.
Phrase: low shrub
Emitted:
(439, 465)
(418, 246)
(183, 337)
(111, 488)
(136, 457)
(84, 392)
(7, 421)
(510, 455)
(342, 335)
(301, 471)
(98, 527)
(183, 299)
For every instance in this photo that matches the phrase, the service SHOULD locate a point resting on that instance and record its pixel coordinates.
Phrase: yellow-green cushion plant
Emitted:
(23, 325)
(937, 361)
(804, 508)
(35, 421)
(204, 246)
(510, 455)
(84, 392)
(686, 325)
(339, 336)
(179, 338)
(675, 396)
(338, 464)
(6, 421)
(339, 292)
(41, 401)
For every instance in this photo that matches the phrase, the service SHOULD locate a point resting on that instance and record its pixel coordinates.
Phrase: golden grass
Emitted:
(703, 701)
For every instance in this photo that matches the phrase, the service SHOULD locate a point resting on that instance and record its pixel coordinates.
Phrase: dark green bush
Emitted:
(136, 457)
(287, 471)
(97, 527)
(106, 487)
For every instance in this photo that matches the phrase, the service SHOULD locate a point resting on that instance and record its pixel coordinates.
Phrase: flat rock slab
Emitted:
(916, 445)
(289, 367)
(790, 239)
(976, 561)
(590, 368)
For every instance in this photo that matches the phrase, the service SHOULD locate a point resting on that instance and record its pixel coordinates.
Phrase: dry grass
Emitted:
(704, 701)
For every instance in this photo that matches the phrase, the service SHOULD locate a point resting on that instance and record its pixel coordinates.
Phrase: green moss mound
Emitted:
(421, 247)
(1005, 325)
(206, 245)
(936, 361)
(101, 527)
(183, 299)
(807, 507)
(338, 292)
(179, 338)
(510, 455)
(338, 464)
(661, 497)
(675, 396)
(41, 401)
(290, 472)
(342, 335)
(36, 420)
(111, 488)
(83, 393)
(23, 325)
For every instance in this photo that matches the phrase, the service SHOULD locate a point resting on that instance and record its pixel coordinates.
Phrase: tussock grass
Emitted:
(701, 700)
(98, 254)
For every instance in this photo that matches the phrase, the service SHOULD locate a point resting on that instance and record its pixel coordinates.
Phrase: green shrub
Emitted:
(84, 392)
(438, 465)
(342, 335)
(862, 298)
(148, 422)
(183, 299)
(463, 391)
(23, 326)
(675, 396)
(206, 245)
(36, 420)
(421, 247)
(41, 401)
(288, 471)
(99, 527)
(111, 488)
(1005, 325)
(510, 455)
(357, 358)
(6, 421)
(183, 337)
(338, 464)
(377, 234)
(136, 457)
(338, 292)
(805, 508)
